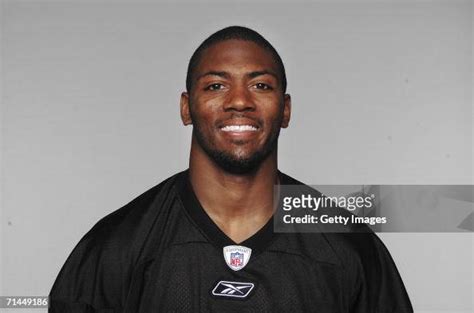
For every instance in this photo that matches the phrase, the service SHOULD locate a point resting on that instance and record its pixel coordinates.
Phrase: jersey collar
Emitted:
(257, 242)
(264, 239)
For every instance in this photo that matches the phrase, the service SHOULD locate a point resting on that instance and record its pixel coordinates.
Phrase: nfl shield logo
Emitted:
(237, 257)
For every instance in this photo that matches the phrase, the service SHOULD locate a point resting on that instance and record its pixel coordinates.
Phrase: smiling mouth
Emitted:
(239, 128)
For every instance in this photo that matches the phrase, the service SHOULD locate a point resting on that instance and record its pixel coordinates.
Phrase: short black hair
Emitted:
(239, 33)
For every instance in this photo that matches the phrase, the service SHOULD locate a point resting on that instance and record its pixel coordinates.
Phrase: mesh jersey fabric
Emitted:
(162, 253)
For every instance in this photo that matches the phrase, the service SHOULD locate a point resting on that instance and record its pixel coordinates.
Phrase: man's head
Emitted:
(237, 33)
(236, 99)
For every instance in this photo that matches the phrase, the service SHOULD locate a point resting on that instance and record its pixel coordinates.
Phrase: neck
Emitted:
(240, 204)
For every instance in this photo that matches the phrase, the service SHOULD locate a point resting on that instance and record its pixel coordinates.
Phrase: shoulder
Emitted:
(109, 252)
(125, 225)
(347, 241)
(317, 204)
(367, 266)
(358, 250)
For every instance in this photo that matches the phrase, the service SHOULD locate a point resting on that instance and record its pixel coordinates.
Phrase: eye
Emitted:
(215, 86)
(263, 86)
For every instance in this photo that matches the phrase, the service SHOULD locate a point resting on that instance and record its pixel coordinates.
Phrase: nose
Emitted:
(239, 99)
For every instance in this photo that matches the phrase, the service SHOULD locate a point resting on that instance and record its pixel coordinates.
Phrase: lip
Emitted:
(244, 124)
(239, 128)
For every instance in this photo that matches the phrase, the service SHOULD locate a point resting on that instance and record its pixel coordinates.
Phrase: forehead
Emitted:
(235, 55)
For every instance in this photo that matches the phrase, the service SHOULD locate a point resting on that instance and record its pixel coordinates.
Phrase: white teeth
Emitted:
(239, 128)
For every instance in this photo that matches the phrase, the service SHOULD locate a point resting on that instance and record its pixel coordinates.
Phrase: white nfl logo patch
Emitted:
(236, 257)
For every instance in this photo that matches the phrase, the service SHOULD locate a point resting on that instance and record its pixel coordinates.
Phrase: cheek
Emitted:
(199, 112)
(203, 121)
(273, 114)
(205, 108)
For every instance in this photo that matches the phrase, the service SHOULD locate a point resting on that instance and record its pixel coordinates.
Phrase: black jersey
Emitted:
(162, 253)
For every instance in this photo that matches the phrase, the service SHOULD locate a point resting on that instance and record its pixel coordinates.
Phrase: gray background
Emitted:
(382, 94)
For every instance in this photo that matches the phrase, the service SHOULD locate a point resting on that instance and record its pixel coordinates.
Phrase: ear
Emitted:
(184, 109)
(286, 111)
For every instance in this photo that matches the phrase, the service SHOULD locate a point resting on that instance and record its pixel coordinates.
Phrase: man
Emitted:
(203, 240)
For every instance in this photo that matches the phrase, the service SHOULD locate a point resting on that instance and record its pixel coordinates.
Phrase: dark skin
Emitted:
(238, 102)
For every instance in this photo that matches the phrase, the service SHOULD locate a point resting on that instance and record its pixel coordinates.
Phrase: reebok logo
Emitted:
(232, 289)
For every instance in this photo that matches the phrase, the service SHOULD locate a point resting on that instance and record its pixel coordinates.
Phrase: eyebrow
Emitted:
(224, 74)
(260, 73)
(214, 73)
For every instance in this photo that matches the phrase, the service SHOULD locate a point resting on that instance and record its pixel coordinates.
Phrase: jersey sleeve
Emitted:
(90, 280)
(105, 270)
(380, 287)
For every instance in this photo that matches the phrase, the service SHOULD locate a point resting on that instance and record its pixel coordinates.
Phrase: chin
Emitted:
(236, 157)
(239, 163)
